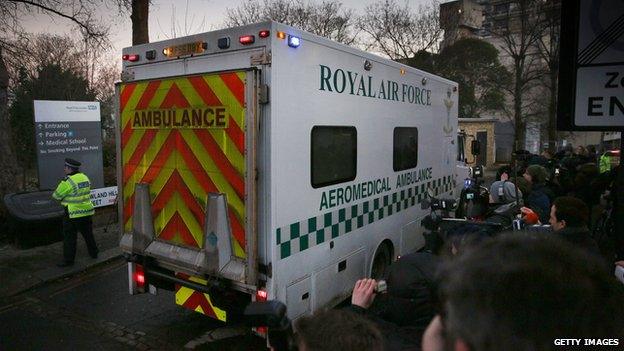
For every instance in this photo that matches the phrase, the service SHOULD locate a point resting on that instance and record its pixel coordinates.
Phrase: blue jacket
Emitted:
(539, 202)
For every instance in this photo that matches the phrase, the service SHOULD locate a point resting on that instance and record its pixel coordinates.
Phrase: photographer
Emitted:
(538, 198)
(403, 313)
(503, 190)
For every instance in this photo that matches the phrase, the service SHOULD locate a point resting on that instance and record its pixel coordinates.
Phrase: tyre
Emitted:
(381, 262)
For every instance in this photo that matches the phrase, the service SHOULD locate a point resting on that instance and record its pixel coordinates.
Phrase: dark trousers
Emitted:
(71, 227)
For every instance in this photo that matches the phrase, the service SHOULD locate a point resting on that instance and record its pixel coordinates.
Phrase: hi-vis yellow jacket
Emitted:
(604, 163)
(75, 192)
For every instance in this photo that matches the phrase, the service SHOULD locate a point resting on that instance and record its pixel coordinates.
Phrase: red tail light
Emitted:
(133, 58)
(261, 295)
(139, 276)
(264, 33)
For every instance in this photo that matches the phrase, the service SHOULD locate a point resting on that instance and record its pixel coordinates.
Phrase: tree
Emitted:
(474, 64)
(104, 89)
(46, 49)
(80, 13)
(423, 60)
(518, 28)
(12, 12)
(548, 48)
(327, 19)
(7, 152)
(139, 14)
(52, 82)
(398, 31)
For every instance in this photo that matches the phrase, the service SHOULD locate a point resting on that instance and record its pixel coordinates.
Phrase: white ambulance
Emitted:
(264, 162)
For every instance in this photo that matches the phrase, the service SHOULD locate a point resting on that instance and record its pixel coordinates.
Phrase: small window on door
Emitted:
(405, 154)
(334, 155)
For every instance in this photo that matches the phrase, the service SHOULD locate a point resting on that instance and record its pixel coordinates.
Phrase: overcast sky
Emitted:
(186, 16)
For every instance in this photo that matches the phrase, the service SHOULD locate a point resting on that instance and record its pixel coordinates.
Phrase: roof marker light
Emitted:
(281, 35)
(264, 33)
(294, 42)
(125, 57)
(246, 39)
(223, 43)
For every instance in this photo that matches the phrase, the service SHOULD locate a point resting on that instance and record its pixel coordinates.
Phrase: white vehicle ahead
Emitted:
(266, 162)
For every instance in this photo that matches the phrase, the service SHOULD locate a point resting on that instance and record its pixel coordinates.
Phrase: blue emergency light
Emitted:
(293, 41)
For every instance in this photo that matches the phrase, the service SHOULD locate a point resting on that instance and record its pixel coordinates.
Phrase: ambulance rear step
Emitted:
(216, 298)
(216, 258)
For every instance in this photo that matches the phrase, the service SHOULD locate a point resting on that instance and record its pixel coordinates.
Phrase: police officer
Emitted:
(74, 192)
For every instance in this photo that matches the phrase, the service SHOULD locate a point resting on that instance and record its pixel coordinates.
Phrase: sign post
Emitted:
(591, 77)
(68, 129)
(591, 80)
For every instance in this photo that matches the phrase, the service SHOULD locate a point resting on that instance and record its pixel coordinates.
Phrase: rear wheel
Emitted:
(381, 262)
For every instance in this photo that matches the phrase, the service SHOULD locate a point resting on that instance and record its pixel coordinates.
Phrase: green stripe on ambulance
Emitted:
(302, 235)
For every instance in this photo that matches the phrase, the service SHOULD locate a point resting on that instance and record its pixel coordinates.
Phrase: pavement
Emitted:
(24, 269)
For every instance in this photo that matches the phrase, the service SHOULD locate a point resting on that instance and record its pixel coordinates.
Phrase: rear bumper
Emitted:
(164, 278)
(215, 298)
(215, 258)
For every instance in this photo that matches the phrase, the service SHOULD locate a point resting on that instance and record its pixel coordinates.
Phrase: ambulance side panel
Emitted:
(319, 244)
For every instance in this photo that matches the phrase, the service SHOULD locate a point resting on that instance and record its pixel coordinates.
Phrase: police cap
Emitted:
(71, 163)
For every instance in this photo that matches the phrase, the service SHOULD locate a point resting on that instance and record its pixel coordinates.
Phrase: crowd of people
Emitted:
(515, 291)
(582, 179)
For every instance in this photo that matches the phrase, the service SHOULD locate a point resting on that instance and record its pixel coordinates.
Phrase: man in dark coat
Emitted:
(403, 313)
(539, 196)
(568, 218)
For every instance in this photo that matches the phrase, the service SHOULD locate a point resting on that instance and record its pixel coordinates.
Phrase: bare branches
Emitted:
(249, 12)
(79, 15)
(327, 19)
(391, 29)
(79, 12)
(398, 31)
(518, 26)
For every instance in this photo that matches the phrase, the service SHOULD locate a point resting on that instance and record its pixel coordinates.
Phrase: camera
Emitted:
(442, 204)
(438, 204)
(381, 287)
(476, 171)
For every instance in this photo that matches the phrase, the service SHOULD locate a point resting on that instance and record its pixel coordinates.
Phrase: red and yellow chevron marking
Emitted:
(185, 137)
(197, 301)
